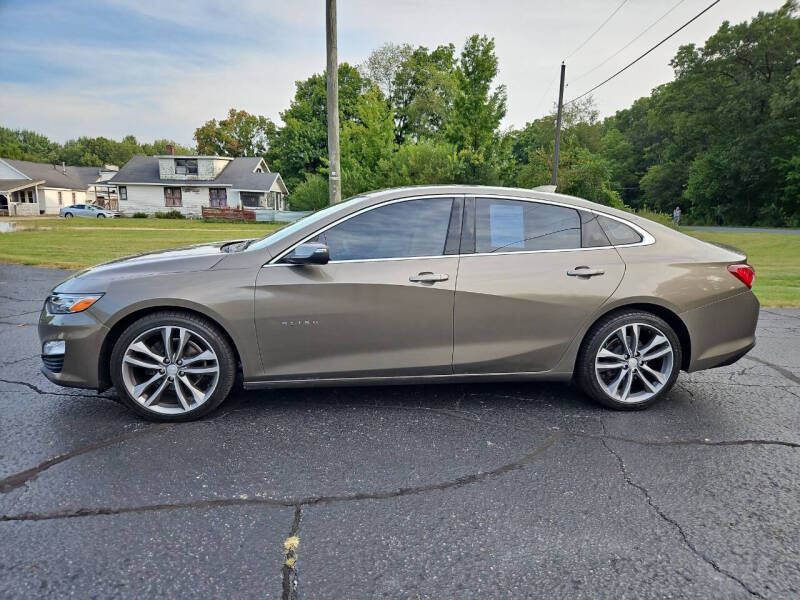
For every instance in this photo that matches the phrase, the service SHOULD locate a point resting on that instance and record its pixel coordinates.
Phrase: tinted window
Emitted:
(592, 235)
(619, 233)
(514, 225)
(402, 229)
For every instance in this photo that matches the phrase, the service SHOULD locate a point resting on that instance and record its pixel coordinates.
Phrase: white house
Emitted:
(187, 183)
(31, 188)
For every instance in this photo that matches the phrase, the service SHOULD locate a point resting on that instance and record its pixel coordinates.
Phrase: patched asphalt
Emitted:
(450, 491)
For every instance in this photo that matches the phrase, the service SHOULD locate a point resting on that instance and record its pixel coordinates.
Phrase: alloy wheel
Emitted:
(170, 370)
(634, 363)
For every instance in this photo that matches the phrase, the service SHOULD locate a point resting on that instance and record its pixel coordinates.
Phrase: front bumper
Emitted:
(83, 336)
(722, 332)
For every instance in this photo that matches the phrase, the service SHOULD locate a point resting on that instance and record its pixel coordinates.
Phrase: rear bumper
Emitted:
(723, 332)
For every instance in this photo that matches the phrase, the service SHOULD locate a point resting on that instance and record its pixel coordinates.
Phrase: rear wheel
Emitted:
(101, 216)
(172, 366)
(629, 360)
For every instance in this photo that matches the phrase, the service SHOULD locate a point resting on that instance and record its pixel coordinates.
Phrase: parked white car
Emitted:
(87, 210)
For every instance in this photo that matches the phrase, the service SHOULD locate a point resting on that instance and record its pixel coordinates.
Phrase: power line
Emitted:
(603, 24)
(633, 62)
(626, 46)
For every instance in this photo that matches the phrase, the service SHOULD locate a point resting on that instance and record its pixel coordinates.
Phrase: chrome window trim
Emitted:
(647, 238)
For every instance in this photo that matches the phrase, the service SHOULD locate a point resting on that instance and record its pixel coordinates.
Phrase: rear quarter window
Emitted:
(618, 233)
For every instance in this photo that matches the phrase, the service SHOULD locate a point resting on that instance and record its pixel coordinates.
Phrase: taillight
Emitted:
(744, 273)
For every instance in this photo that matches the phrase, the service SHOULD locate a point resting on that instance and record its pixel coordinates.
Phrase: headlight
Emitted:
(62, 304)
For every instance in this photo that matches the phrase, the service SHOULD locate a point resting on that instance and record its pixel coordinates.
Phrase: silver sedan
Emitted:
(87, 210)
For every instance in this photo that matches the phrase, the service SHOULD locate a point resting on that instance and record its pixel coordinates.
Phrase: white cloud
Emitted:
(146, 93)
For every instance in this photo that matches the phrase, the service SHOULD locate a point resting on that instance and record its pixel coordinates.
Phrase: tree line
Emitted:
(721, 140)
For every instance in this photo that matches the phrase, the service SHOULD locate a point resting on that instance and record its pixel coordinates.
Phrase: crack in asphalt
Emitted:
(19, 360)
(302, 501)
(23, 477)
(34, 388)
(22, 314)
(785, 373)
(677, 526)
(290, 547)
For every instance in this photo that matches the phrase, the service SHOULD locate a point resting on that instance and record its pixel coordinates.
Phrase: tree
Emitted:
(301, 145)
(240, 134)
(382, 65)
(477, 109)
(366, 140)
(423, 90)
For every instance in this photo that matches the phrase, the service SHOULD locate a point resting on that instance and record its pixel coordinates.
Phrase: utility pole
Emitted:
(558, 123)
(334, 176)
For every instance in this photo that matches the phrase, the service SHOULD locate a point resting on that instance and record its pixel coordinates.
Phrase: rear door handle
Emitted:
(584, 272)
(428, 277)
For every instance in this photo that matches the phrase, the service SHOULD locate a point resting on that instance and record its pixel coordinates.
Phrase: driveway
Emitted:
(452, 491)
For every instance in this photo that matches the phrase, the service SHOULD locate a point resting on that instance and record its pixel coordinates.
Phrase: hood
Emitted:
(200, 257)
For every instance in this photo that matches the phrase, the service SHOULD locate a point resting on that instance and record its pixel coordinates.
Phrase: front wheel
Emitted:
(629, 360)
(172, 366)
(67, 215)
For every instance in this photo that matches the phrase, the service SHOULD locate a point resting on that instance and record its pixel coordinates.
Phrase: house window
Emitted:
(123, 192)
(217, 197)
(186, 166)
(172, 196)
(30, 196)
(250, 199)
(73, 197)
(60, 199)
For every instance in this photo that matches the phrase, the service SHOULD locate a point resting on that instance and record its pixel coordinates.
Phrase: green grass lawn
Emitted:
(83, 242)
(76, 243)
(776, 258)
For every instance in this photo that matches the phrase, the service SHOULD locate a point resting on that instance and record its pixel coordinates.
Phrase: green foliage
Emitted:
(139, 215)
(312, 194)
(420, 164)
(720, 139)
(300, 147)
(170, 214)
(241, 134)
(366, 140)
(88, 152)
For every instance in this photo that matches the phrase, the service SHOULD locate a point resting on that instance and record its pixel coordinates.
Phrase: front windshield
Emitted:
(288, 230)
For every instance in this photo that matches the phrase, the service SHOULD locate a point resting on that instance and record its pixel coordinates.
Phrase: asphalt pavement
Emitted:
(450, 491)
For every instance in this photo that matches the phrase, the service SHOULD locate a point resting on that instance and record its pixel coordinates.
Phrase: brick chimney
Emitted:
(170, 149)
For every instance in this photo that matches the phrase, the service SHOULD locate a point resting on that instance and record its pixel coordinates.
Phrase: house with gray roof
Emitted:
(30, 188)
(188, 183)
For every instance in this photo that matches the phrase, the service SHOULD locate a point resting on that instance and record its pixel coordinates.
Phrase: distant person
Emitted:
(676, 216)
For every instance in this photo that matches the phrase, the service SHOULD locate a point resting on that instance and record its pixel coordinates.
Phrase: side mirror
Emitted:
(310, 253)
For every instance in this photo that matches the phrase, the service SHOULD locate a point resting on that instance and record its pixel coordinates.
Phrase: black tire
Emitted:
(208, 330)
(101, 216)
(586, 375)
(67, 215)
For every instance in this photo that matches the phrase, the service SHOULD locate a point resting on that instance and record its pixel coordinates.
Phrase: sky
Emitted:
(159, 69)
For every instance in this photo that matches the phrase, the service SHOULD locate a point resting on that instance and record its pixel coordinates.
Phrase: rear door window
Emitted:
(514, 225)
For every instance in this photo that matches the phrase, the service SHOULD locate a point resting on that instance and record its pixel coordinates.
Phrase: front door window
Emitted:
(404, 229)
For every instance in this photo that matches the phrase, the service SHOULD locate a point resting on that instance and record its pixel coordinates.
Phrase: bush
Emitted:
(312, 194)
(172, 214)
(139, 215)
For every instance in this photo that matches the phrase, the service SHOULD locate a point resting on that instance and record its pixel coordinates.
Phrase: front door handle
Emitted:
(584, 272)
(428, 277)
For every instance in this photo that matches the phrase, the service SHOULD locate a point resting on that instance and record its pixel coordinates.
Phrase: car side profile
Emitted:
(412, 285)
(90, 211)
